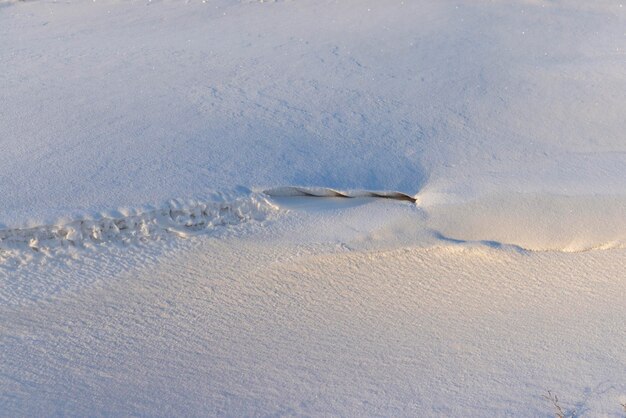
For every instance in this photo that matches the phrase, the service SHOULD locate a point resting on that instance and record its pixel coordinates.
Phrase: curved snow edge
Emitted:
(328, 192)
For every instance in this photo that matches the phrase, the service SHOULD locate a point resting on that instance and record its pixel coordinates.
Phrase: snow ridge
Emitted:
(328, 192)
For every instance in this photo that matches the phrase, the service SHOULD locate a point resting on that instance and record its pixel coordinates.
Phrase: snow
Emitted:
(179, 218)
(335, 324)
(120, 104)
(306, 207)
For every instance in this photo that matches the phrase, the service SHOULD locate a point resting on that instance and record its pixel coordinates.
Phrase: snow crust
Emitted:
(117, 105)
(384, 207)
(348, 319)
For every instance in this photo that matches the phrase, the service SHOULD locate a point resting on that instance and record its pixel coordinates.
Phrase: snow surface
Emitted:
(161, 252)
(296, 319)
(112, 105)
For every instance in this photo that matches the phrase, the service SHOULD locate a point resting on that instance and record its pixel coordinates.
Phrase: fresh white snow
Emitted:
(112, 105)
(353, 208)
(337, 323)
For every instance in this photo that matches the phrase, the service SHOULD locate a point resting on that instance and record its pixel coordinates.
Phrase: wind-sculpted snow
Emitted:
(527, 222)
(496, 127)
(535, 222)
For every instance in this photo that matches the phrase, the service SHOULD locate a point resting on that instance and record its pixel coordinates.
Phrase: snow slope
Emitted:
(111, 105)
(336, 318)
(161, 251)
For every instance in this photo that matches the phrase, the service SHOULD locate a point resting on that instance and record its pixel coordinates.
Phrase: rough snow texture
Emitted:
(271, 326)
(503, 120)
(179, 218)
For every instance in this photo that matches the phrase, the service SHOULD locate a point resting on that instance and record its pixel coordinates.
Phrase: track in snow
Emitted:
(178, 218)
